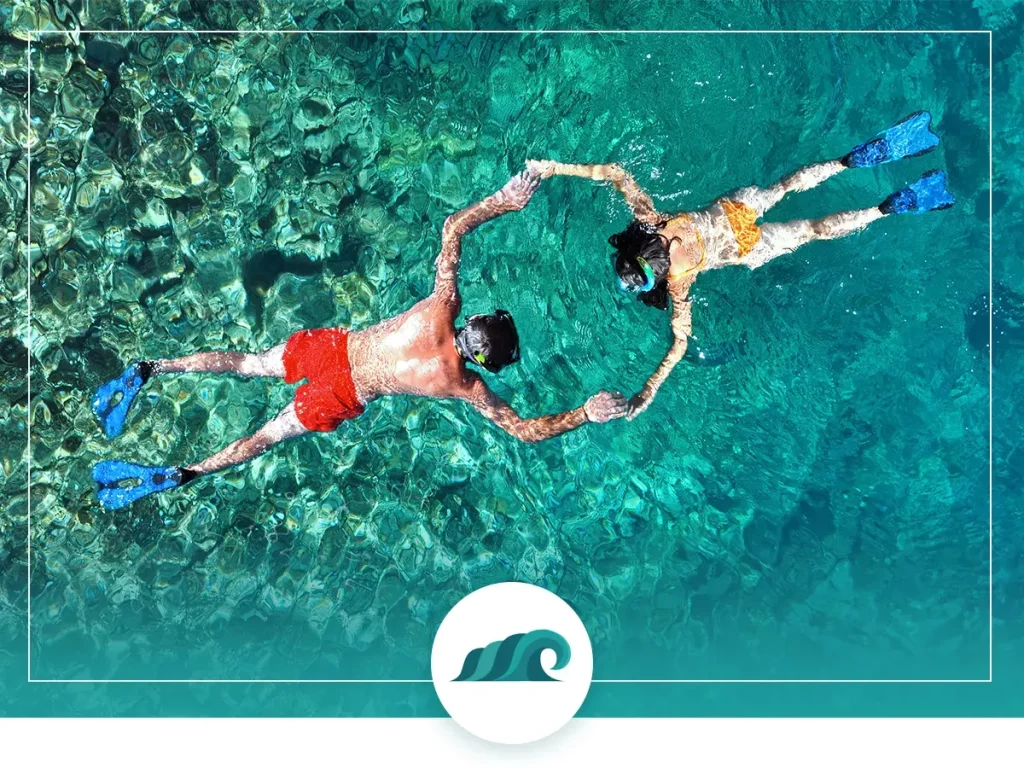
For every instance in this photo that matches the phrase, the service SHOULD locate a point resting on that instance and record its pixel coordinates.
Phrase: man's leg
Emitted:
(786, 237)
(120, 482)
(267, 363)
(763, 199)
(113, 399)
(282, 427)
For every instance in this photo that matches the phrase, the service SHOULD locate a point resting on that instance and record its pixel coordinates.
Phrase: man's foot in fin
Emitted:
(910, 137)
(114, 398)
(929, 193)
(121, 482)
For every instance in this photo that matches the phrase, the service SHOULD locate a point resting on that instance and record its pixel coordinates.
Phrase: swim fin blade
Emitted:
(929, 193)
(111, 410)
(910, 137)
(121, 482)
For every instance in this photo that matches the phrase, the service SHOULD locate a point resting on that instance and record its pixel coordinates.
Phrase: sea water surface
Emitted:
(806, 498)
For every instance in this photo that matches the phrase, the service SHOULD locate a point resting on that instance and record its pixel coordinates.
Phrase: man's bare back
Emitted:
(412, 354)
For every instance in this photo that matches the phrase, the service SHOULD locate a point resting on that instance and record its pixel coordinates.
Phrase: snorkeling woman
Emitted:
(659, 257)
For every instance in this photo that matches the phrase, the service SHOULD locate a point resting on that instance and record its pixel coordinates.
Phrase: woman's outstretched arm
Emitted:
(638, 200)
(681, 330)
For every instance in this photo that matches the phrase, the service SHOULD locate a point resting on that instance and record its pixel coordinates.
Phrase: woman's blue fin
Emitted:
(910, 137)
(929, 193)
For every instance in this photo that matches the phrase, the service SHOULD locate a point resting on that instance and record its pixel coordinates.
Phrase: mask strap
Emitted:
(648, 272)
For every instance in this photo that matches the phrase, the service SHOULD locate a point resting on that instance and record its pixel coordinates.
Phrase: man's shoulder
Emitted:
(467, 384)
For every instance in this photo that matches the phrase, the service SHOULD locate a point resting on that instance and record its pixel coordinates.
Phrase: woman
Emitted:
(659, 257)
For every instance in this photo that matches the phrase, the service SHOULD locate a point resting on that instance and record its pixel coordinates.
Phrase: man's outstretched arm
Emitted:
(602, 407)
(681, 330)
(638, 200)
(512, 197)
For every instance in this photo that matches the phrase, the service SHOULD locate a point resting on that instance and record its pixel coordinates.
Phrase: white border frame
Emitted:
(33, 34)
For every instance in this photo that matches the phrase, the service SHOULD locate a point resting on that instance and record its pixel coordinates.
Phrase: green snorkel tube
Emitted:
(648, 273)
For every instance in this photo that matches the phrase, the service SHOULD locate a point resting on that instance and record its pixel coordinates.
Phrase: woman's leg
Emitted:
(786, 237)
(282, 427)
(763, 199)
(267, 363)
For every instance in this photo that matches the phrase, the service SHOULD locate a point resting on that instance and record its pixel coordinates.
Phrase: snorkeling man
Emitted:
(659, 257)
(419, 352)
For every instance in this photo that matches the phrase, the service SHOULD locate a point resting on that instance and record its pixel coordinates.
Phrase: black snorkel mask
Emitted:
(500, 317)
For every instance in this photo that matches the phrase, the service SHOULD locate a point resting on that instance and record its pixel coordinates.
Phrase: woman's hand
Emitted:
(612, 172)
(638, 403)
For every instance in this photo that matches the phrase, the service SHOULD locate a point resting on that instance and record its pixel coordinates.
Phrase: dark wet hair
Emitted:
(640, 246)
(490, 341)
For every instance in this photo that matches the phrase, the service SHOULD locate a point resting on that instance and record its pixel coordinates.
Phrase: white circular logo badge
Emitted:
(512, 663)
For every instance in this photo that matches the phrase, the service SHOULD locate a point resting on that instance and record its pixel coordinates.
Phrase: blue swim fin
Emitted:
(910, 137)
(929, 193)
(112, 410)
(121, 482)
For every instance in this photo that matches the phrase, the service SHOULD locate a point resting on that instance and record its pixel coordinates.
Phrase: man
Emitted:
(419, 352)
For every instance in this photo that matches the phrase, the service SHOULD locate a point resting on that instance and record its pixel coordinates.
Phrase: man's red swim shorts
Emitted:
(329, 396)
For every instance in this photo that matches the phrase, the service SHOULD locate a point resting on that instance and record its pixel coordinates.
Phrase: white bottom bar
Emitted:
(154, 743)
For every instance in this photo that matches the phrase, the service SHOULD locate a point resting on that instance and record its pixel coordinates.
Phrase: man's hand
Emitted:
(543, 168)
(517, 193)
(605, 406)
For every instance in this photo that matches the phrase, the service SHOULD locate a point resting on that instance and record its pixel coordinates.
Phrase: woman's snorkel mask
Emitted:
(648, 274)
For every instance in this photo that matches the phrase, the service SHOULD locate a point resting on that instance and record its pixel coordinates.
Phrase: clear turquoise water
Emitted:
(808, 502)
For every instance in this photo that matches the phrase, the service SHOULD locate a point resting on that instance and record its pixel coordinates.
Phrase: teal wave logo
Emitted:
(516, 658)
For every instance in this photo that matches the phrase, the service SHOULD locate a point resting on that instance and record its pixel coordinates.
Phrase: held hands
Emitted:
(543, 168)
(605, 406)
(517, 192)
(613, 172)
(638, 403)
